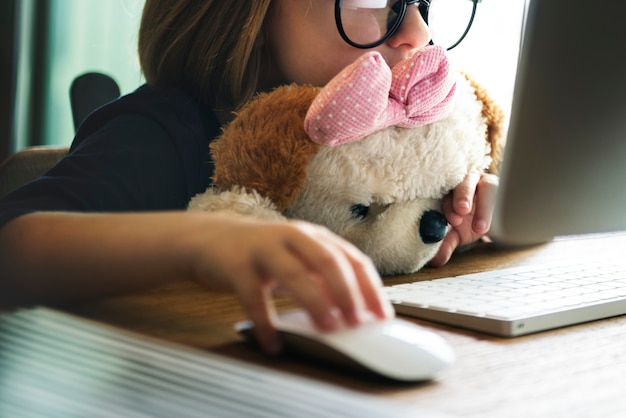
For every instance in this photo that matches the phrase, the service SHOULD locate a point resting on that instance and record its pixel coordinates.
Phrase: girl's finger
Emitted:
(463, 194)
(484, 204)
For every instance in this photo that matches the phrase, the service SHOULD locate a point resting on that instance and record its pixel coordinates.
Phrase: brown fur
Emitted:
(277, 150)
(495, 124)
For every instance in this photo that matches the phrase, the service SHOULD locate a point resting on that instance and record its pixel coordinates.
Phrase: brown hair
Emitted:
(209, 48)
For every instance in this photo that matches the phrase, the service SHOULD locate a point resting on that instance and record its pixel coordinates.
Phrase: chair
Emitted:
(90, 91)
(87, 92)
(26, 165)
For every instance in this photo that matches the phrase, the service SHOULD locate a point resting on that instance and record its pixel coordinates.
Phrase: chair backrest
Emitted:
(26, 165)
(87, 92)
(90, 91)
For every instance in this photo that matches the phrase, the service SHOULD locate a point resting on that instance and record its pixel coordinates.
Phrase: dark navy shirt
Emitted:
(145, 151)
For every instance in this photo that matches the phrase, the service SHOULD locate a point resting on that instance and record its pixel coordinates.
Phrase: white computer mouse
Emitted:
(393, 348)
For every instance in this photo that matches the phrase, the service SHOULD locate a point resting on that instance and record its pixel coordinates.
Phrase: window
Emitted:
(92, 35)
(490, 52)
(61, 39)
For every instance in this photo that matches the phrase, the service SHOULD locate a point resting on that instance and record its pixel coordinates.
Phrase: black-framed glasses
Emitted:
(369, 23)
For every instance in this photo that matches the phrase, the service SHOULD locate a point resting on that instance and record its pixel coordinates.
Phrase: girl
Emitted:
(110, 217)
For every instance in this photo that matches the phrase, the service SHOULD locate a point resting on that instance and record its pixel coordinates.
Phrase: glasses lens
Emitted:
(367, 21)
(448, 20)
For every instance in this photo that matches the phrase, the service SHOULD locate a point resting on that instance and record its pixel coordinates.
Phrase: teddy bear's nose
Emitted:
(433, 227)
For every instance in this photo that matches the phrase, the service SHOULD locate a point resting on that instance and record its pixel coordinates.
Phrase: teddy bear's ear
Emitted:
(265, 148)
(494, 115)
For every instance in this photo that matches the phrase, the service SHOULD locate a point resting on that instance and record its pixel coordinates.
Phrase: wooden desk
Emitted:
(578, 371)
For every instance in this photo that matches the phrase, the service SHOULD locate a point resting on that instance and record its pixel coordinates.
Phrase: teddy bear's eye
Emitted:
(359, 211)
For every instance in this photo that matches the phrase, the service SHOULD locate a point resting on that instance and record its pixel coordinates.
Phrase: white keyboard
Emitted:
(518, 300)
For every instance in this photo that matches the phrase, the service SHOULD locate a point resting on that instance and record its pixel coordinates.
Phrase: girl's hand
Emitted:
(326, 275)
(468, 209)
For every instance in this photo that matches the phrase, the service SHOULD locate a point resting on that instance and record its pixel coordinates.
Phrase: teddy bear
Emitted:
(370, 155)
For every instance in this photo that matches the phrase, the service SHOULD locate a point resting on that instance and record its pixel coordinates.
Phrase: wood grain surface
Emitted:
(578, 371)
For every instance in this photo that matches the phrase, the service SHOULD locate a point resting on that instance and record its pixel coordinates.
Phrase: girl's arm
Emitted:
(60, 257)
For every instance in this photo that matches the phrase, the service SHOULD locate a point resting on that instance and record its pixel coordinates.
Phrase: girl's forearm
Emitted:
(54, 257)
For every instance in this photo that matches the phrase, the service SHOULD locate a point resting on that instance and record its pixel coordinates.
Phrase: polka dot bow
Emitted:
(368, 96)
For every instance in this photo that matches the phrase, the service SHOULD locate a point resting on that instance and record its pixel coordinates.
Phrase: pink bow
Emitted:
(368, 96)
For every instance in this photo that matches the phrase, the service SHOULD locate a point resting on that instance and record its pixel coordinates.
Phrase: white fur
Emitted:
(400, 174)
(238, 201)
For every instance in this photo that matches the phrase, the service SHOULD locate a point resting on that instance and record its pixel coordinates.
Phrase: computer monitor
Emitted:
(564, 168)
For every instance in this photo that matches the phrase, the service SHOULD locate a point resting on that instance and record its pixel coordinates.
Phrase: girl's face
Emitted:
(306, 48)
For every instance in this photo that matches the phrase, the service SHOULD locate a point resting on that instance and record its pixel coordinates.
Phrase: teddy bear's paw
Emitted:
(238, 201)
